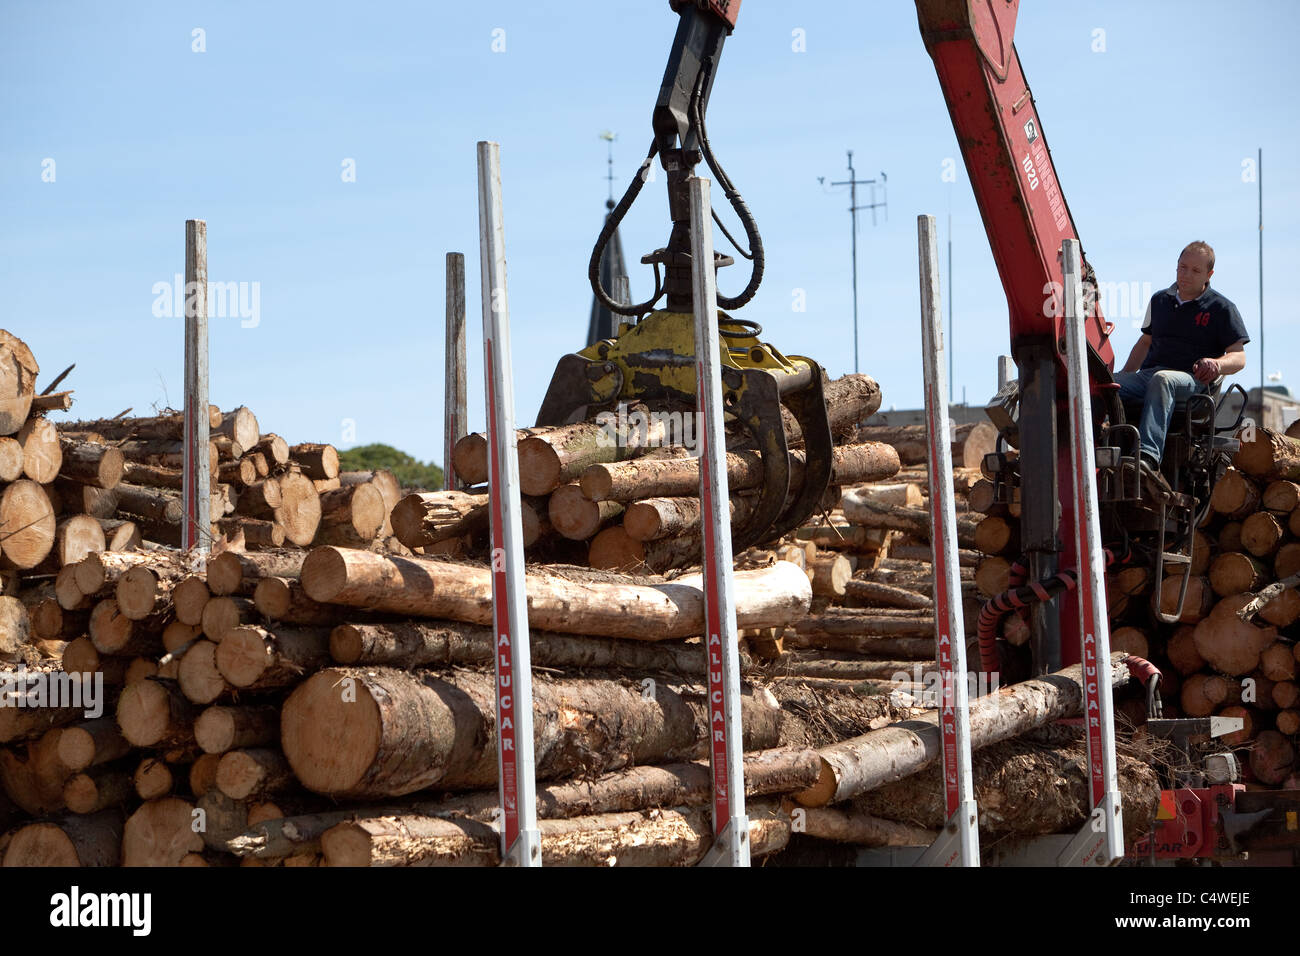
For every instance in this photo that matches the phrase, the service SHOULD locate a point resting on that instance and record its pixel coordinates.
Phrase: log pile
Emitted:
(619, 496)
(317, 694)
(1228, 654)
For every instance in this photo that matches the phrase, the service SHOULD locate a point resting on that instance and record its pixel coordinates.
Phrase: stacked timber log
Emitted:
(230, 688)
(624, 496)
(1233, 650)
(255, 729)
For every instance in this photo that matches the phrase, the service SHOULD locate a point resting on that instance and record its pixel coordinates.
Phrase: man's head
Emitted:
(1195, 266)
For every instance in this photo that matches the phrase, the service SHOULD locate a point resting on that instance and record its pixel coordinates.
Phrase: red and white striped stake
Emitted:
(195, 478)
(520, 839)
(1101, 841)
(730, 823)
(959, 840)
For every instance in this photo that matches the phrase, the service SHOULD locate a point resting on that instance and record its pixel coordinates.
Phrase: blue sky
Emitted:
(1149, 129)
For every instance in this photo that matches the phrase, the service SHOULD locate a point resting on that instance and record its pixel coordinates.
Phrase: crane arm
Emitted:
(1010, 166)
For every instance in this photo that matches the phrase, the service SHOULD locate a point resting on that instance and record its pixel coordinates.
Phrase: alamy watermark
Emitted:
(226, 300)
(127, 910)
(645, 429)
(934, 689)
(1118, 300)
(32, 689)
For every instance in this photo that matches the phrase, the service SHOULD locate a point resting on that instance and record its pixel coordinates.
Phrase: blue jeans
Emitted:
(1158, 390)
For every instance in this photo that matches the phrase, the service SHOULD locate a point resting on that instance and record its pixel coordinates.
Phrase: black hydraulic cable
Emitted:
(611, 224)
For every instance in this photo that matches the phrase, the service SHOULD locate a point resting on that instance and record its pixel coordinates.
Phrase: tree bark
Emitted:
(680, 477)
(91, 464)
(379, 732)
(576, 517)
(219, 729)
(318, 462)
(112, 632)
(423, 519)
(863, 763)
(1269, 456)
(253, 772)
(1235, 496)
(235, 572)
(771, 596)
(90, 743)
(914, 521)
(154, 713)
(254, 533)
(676, 837)
(72, 840)
(556, 455)
(353, 512)
(874, 594)
(251, 658)
(863, 829)
(446, 643)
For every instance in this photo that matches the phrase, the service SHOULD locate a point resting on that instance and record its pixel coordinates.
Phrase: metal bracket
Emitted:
(731, 848)
(946, 849)
(526, 850)
(1088, 847)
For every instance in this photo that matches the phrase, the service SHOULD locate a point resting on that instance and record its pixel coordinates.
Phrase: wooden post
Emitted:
(1101, 841)
(454, 427)
(195, 482)
(959, 841)
(730, 823)
(521, 843)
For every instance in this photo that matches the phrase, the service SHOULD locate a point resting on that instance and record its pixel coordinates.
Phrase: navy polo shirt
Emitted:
(1181, 334)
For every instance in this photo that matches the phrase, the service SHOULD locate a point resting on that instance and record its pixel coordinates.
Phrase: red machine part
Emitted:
(1188, 824)
(725, 10)
(1002, 142)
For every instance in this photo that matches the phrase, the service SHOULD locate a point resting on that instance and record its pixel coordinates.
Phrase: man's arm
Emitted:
(1139, 354)
(1206, 370)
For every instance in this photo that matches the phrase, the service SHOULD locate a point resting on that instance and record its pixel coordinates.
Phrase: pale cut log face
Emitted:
(18, 371)
(145, 710)
(41, 844)
(333, 739)
(27, 524)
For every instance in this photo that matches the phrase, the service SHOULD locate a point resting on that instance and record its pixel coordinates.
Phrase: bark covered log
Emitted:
(380, 732)
(767, 597)
(410, 644)
(680, 477)
(892, 753)
(675, 837)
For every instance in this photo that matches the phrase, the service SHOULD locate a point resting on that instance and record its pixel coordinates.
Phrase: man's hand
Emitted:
(1206, 370)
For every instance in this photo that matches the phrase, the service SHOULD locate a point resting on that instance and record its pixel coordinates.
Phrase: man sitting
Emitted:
(1192, 337)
